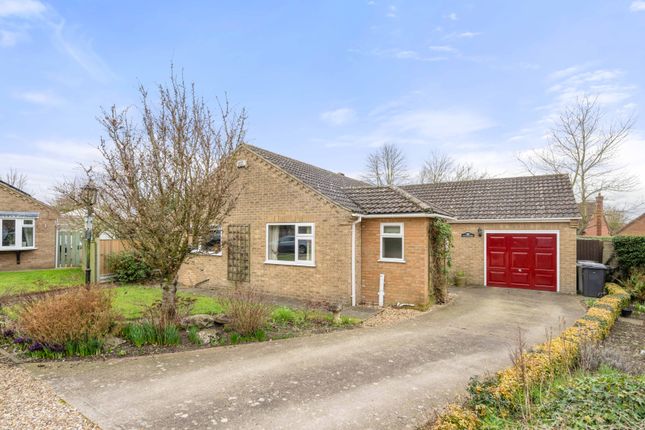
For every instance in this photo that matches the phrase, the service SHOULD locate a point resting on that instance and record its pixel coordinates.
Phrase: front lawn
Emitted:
(30, 281)
(131, 301)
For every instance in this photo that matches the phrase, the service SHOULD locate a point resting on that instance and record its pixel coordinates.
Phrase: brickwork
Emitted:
(271, 196)
(404, 282)
(634, 228)
(44, 257)
(468, 253)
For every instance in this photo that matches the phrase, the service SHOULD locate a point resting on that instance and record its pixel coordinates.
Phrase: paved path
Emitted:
(372, 378)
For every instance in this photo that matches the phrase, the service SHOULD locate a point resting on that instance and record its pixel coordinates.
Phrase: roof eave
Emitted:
(404, 215)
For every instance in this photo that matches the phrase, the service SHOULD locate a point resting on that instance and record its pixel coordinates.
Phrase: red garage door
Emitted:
(519, 260)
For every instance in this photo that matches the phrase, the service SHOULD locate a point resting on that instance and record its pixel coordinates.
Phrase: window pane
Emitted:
(213, 242)
(304, 250)
(392, 229)
(304, 229)
(392, 247)
(28, 221)
(282, 244)
(27, 236)
(8, 232)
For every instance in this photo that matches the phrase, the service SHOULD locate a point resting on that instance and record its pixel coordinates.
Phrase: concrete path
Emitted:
(368, 378)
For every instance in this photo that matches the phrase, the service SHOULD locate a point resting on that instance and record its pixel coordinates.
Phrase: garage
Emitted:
(516, 259)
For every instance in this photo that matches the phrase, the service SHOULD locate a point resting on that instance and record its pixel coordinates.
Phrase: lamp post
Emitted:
(88, 195)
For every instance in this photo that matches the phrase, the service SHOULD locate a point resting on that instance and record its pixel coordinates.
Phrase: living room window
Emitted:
(17, 233)
(290, 244)
(211, 244)
(392, 242)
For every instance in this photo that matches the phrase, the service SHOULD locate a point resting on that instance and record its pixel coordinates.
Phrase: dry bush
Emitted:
(72, 316)
(593, 356)
(247, 311)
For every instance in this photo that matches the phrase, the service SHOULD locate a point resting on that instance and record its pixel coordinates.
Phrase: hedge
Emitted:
(630, 251)
(544, 362)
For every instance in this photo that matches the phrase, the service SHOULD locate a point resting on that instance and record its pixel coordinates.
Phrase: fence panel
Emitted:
(70, 248)
(589, 249)
(107, 247)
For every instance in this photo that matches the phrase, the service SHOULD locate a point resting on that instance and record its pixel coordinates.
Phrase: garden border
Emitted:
(545, 359)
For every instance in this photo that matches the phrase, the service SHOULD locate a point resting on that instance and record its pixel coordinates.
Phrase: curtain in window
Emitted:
(274, 241)
(27, 236)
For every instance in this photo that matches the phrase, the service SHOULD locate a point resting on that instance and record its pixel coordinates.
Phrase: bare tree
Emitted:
(15, 178)
(584, 146)
(618, 214)
(443, 168)
(165, 180)
(386, 166)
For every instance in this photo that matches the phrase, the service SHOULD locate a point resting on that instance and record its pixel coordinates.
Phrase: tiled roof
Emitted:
(389, 200)
(545, 196)
(8, 185)
(530, 197)
(327, 183)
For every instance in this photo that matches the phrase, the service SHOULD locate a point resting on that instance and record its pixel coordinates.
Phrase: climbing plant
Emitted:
(440, 258)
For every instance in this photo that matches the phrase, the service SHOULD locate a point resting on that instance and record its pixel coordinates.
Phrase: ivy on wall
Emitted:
(440, 258)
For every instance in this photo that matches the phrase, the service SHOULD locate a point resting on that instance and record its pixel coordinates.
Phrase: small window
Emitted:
(290, 244)
(17, 234)
(211, 244)
(392, 242)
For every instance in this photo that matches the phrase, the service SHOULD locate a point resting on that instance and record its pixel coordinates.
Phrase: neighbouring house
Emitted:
(597, 222)
(635, 227)
(28, 231)
(302, 232)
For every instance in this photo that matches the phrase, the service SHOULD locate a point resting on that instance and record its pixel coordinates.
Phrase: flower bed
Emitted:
(535, 367)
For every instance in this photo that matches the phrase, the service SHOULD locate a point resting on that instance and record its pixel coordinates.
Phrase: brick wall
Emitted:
(635, 228)
(404, 282)
(468, 253)
(44, 257)
(268, 196)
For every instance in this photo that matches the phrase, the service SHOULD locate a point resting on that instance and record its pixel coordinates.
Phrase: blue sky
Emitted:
(324, 82)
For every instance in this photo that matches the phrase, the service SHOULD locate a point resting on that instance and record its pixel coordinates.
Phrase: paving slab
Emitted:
(367, 378)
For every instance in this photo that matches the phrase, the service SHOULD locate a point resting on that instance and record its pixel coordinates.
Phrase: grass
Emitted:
(131, 301)
(30, 281)
(146, 333)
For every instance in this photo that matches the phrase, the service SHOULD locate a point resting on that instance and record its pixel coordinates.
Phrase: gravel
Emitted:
(28, 403)
(390, 315)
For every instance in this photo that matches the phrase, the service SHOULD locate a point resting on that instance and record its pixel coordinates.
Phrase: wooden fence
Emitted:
(105, 248)
(70, 249)
(589, 249)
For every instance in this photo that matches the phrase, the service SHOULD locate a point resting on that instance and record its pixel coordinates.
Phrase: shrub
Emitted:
(128, 267)
(146, 333)
(630, 251)
(284, 315)
(635, 285)
(193, 335)
(75, 316)
(593, 358)
(456, 417)
(247, 311)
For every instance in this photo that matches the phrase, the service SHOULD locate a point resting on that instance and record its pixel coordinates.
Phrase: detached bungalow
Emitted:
(302, 232)
(28, 231)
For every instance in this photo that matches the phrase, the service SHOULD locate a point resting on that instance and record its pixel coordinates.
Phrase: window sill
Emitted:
(391, 260)
(13, 249)
(290, 263)
(207, 254)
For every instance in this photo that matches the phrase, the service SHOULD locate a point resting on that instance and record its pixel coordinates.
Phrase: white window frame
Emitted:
(19, 224)
(199, 249)
(297, 236)
(400, 235)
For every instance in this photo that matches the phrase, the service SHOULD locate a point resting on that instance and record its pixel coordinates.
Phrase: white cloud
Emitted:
(637, 6)
(442, 48)
(405, 54)
(339, 116)
(468, 34)
(8, 38)
(21, 8)
(391, 11)
(43, 98)
(452, 16)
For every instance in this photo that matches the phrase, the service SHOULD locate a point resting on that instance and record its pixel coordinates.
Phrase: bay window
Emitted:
(17, 233)
(291, 244)
(392, 242)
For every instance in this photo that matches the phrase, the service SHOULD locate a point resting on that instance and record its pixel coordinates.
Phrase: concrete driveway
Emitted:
(366, 378)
